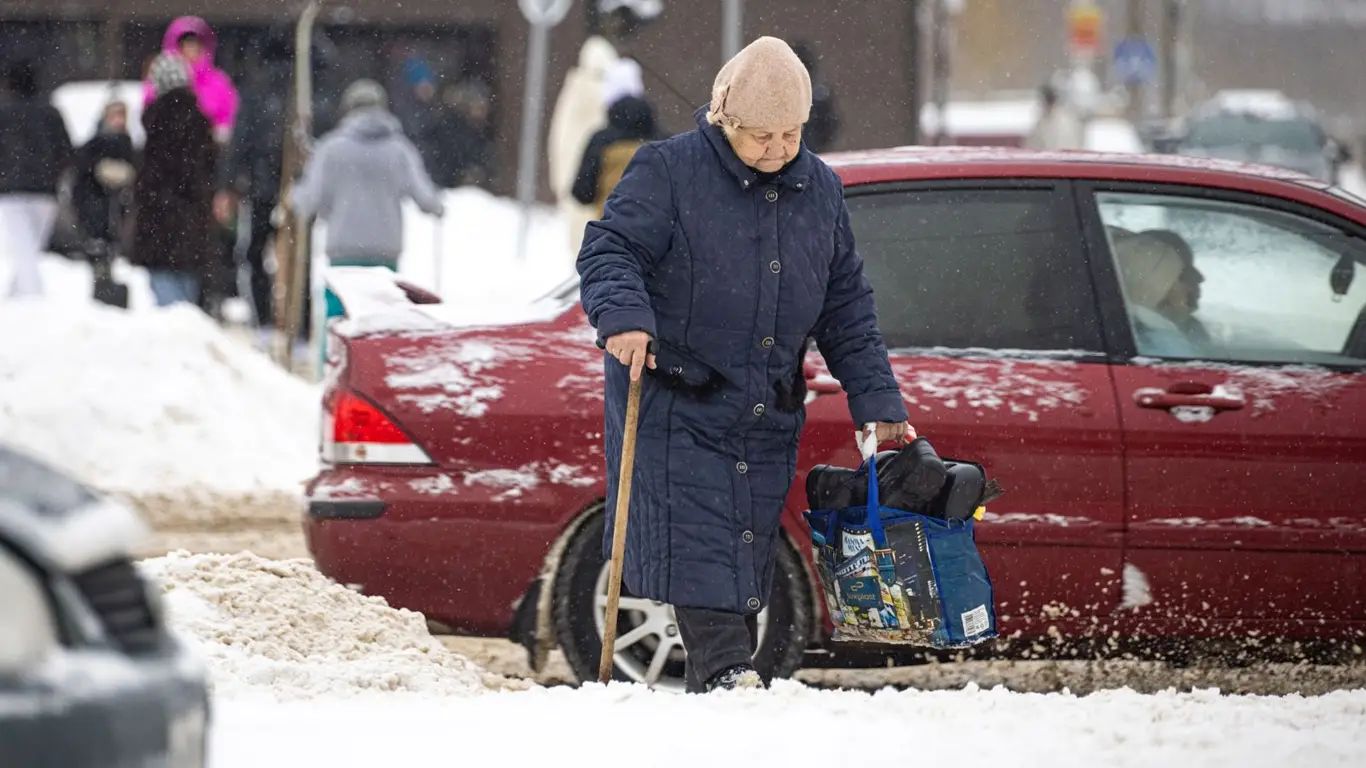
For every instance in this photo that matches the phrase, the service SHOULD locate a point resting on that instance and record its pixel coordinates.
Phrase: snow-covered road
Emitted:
(792, 726)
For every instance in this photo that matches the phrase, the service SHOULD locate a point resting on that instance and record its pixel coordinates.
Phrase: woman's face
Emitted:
(116, 118)
(191, 48)
(766, 149)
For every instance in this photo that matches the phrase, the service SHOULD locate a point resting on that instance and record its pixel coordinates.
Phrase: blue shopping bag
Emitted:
(897, 577)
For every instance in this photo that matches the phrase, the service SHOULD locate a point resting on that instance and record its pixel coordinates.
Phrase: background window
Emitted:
(975, 269)
(1229, 281)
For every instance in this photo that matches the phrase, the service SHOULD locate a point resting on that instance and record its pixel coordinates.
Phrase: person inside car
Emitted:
(1182, 310)
(1151, 271)
(719, 253)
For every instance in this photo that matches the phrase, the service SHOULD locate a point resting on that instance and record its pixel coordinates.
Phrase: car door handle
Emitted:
(1165, 401)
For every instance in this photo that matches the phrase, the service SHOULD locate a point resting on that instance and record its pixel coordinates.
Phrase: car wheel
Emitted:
(649, 649)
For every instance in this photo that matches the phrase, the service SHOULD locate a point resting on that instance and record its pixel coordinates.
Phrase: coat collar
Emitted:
(797, 174)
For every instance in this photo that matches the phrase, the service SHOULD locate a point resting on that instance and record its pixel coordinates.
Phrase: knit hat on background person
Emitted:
(362, 94)
(622, 79)
(168, 72)
(1149, 269)
(763, 86)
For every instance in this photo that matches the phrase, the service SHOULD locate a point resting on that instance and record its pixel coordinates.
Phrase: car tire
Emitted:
(783, 639)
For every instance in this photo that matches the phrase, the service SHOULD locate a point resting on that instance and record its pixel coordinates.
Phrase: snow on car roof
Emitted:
(1264, 103)
(989, 157)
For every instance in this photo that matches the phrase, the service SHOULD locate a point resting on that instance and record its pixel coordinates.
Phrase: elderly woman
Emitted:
(727, 247)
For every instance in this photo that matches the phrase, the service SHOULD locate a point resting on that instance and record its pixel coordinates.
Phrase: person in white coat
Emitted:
(1059, 127)
(580, 111)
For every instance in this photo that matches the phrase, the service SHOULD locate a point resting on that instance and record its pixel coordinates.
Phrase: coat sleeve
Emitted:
(620, 249)
(62, 150)
(308, 196)
(420, 185)
(848, 337)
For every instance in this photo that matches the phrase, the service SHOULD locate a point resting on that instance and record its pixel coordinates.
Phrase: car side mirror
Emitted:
(1340, 279)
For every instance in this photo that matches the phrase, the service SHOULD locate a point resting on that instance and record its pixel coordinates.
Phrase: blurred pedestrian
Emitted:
(173, 194)
(1058, 127)
(725, 249)
(824, 125)
(254, 162)
(104, 178)
(195, 42)
(630, 123)
(459, 140)
(580, 111)
(417, 107)
(37, 148)
(356, 181)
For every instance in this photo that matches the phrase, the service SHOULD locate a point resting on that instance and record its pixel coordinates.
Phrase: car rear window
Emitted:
(1242, 130)
(969, 269)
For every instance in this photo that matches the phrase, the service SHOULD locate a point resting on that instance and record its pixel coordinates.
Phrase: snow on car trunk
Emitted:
(281, 629)
(161, 401)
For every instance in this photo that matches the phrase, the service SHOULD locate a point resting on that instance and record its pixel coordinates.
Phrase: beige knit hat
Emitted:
(763, 86)
(1149, 269)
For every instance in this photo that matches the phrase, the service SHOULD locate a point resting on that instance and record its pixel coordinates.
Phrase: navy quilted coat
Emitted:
(731, 274)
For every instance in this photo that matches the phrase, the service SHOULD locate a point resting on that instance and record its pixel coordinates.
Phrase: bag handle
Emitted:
(872, 516)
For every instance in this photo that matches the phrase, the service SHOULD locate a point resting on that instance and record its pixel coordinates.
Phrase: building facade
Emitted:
(865, 58)
(868, 49)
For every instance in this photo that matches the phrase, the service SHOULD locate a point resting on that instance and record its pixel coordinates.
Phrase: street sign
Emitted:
(1084, 24)
(545, 12)
(1135, 61)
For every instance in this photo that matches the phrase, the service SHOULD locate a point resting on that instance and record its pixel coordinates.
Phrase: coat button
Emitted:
(748, 537)
(800, 186)
(767, 342)
(753, 603)
(771, 195)
(677, 370)
(759, 409)
(745, 183)
(741, 467)
(775, 267)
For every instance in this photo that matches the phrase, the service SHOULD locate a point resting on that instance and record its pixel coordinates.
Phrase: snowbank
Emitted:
(159, 401)
(281, 629)
(795, 726)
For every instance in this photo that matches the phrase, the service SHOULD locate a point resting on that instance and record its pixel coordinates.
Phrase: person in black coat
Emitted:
(173, 195)
(37, 149)
(101, 193)
(630, 123)
(824, 125)
(104, 168)
(255, 159)
(725, 249)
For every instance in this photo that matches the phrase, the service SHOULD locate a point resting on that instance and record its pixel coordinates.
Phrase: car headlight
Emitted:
(28, 632)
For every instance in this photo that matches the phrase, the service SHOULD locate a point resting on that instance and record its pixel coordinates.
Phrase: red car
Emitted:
(1183, 448)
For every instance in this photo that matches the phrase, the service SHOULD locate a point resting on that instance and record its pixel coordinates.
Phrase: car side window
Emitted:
(975, 269)
(1234, 282)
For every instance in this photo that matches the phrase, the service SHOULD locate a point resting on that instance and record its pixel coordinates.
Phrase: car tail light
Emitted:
(355, 431)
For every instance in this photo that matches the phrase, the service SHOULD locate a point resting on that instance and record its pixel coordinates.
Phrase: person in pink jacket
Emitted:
(193, 39)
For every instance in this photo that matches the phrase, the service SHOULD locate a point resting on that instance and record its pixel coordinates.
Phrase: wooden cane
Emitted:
(628, 463)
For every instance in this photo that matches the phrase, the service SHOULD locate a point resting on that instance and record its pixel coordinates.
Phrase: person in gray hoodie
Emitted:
(356, 182)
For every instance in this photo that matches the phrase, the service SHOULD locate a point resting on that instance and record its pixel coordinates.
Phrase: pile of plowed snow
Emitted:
(155, 401)
(280, 627)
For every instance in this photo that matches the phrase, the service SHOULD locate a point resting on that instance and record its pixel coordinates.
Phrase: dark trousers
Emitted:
(262, 287)
(715, 640)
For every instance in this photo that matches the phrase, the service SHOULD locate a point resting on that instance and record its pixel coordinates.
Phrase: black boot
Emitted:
(738, 676)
